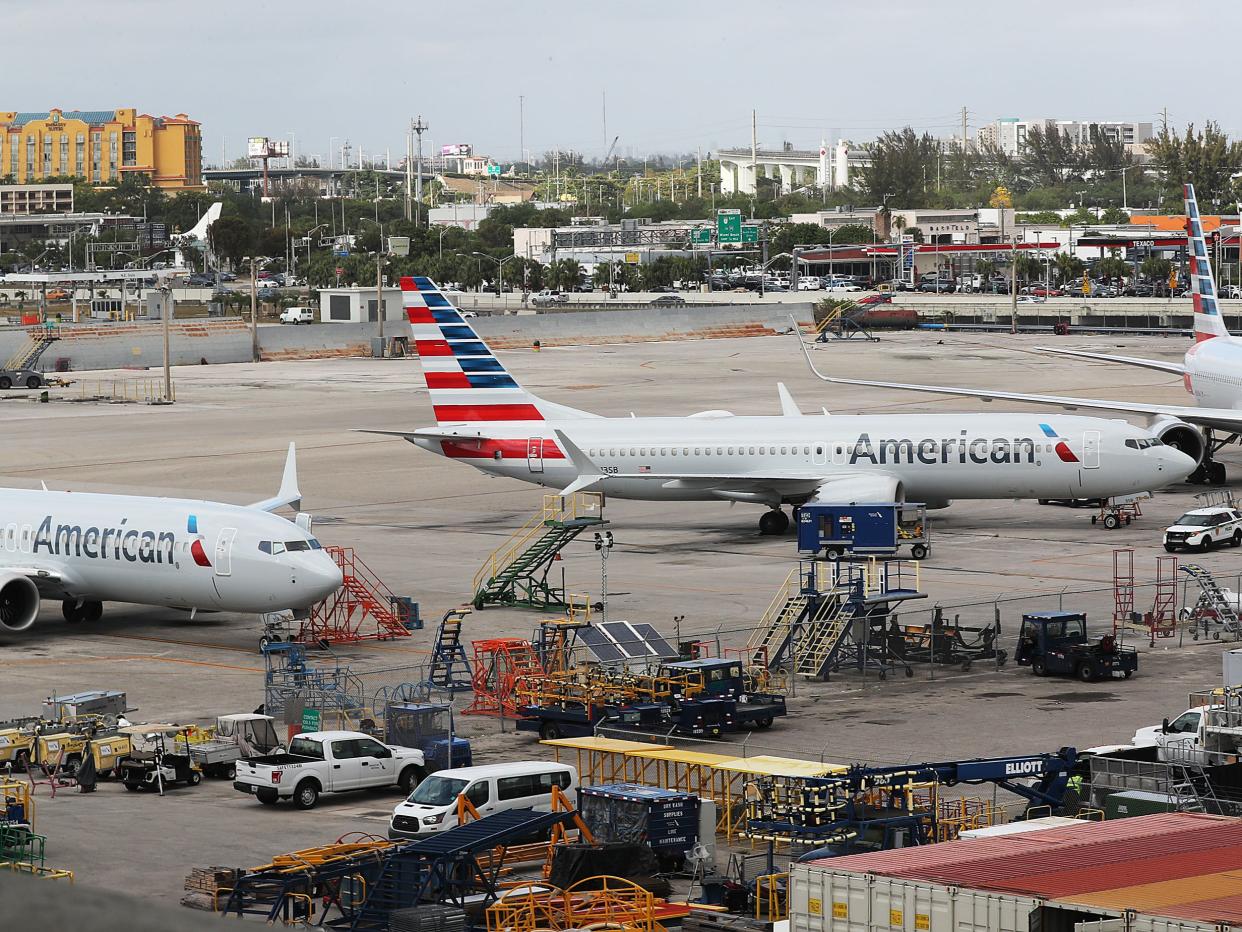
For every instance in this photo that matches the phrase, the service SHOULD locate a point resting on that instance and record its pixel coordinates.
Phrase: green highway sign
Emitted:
(701, 236)
(494, 170)
(728, 226)
(750, 233)
(311, 719)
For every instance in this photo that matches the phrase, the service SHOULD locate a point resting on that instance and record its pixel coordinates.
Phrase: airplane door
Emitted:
(534, 454)
(820, 456)
(1091, 449)
(224, 551)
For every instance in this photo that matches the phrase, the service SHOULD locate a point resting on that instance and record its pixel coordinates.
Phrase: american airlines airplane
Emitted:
(1211, 371)
(85, 548)
(486, 419)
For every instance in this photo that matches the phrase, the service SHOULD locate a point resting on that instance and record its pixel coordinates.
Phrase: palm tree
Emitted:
(1068, 267)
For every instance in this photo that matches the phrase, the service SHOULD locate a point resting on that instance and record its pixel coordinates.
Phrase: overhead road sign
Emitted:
(728, 226)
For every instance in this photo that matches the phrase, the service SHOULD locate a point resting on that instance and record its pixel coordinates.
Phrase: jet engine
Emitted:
(1181, 436)
(19, 602)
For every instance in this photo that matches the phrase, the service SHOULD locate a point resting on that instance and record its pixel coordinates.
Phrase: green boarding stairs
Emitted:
(1211, 597)
(450, 667)
(516, 572)
(37, 342)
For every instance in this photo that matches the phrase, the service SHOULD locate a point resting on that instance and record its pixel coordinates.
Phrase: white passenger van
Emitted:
(432, 807)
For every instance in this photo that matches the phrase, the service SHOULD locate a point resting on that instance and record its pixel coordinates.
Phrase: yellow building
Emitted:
(101, 146)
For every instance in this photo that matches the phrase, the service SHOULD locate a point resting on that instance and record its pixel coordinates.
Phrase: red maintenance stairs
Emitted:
(363, 609)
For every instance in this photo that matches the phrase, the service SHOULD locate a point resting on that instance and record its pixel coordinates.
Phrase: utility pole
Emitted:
(754, 158)
(699, 152)
(521, 128)
(254, 313)
(604, 115)
(409, 173)
(418, 127)
(168, 312)
(963, 136)
(1013, 285)
(379, 291)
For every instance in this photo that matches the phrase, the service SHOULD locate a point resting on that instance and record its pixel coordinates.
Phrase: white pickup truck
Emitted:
(1210, 732)
(321, 762)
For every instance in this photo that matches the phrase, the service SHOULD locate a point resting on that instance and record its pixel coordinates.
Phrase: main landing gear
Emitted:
(75, 611)
(774, 522)
(1210, 472)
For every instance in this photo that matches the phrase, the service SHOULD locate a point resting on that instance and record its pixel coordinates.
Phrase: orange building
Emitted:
(101, 146)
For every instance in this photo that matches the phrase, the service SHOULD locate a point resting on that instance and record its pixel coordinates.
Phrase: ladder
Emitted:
(364, 608)
(826, 631)
(1211, 598)
(37, 342)
(450, 667)
(499, 664)
(516, 572)
(1162, 622)
(1123, 588)
(770, 637)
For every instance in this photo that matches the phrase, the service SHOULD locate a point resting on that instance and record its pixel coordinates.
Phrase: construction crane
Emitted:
(611, 149)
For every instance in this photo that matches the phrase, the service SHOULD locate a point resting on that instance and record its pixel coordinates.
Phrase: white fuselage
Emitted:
(1214, 372)
(934, 457)
(158, 551)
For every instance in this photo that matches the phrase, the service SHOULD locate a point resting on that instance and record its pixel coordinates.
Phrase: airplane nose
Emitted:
(324, 578)
(1178, 463)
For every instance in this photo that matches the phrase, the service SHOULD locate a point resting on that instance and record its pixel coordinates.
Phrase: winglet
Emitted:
(789, 407)
(588, 473)
(288, 494)
(807, 352)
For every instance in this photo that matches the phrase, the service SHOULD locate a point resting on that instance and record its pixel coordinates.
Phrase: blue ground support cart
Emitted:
(865, 530)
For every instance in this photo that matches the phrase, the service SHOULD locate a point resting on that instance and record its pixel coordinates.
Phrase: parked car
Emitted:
(669, 300)
(57, 294)
(297, 315)
(880, 298)
(322, 762)
(840, 285)
(432, 807)
(1204, 528)
(549, 299)
(1230, 291)
(268, 293)
(809, 283)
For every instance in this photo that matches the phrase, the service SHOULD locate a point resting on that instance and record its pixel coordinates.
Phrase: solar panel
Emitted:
(621, 642)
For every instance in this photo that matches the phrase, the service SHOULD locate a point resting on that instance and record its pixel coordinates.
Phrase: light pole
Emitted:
(309, 236)
(441, 245)
(603, 543)
(500, 271)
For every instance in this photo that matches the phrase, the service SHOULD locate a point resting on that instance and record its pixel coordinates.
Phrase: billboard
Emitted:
(459, 148)
(260, 147)
(398, 245)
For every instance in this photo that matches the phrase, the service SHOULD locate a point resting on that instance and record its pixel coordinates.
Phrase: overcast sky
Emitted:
(677, 75)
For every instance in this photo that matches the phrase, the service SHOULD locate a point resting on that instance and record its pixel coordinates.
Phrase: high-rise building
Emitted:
(1010, 133)
(101, 146)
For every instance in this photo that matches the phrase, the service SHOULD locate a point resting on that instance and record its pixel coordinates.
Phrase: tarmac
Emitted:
(424, 525)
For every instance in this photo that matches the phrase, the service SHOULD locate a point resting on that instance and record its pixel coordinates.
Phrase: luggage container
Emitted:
(665, 820)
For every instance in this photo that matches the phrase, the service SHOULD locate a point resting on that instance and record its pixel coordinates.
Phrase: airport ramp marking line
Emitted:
(203, 644)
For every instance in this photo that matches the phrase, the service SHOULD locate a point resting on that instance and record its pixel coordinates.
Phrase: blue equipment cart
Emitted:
(865, 530)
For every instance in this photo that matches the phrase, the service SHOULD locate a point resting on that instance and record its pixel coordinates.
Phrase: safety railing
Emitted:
(147, 391)
(555, 509)
(788, 590)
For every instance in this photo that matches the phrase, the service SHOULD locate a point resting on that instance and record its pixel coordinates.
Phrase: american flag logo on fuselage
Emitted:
(464, 378)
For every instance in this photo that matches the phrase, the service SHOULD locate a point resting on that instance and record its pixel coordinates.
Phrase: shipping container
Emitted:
(822, 900)
(1138, 803)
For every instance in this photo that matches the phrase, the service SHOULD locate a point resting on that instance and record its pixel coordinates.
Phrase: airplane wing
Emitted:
(433, 433)
(288, 494)
(1174, 367)
(1219, 418)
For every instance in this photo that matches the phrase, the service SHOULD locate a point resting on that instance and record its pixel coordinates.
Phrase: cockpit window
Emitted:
(315, 545)
(1145, 443)
(294, 545)
(265, 546)
(277, 547)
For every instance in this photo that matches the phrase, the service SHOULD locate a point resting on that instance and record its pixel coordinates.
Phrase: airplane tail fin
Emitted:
(289, 494)
(1208, 322)
(465, 380)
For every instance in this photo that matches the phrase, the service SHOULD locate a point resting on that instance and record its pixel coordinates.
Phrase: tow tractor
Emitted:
(1056, 643)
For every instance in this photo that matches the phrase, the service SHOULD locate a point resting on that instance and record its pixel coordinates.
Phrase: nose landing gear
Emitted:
(774, 522)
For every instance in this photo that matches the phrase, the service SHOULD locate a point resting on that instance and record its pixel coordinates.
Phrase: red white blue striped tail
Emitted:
(465, 380)
(1208, 322)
